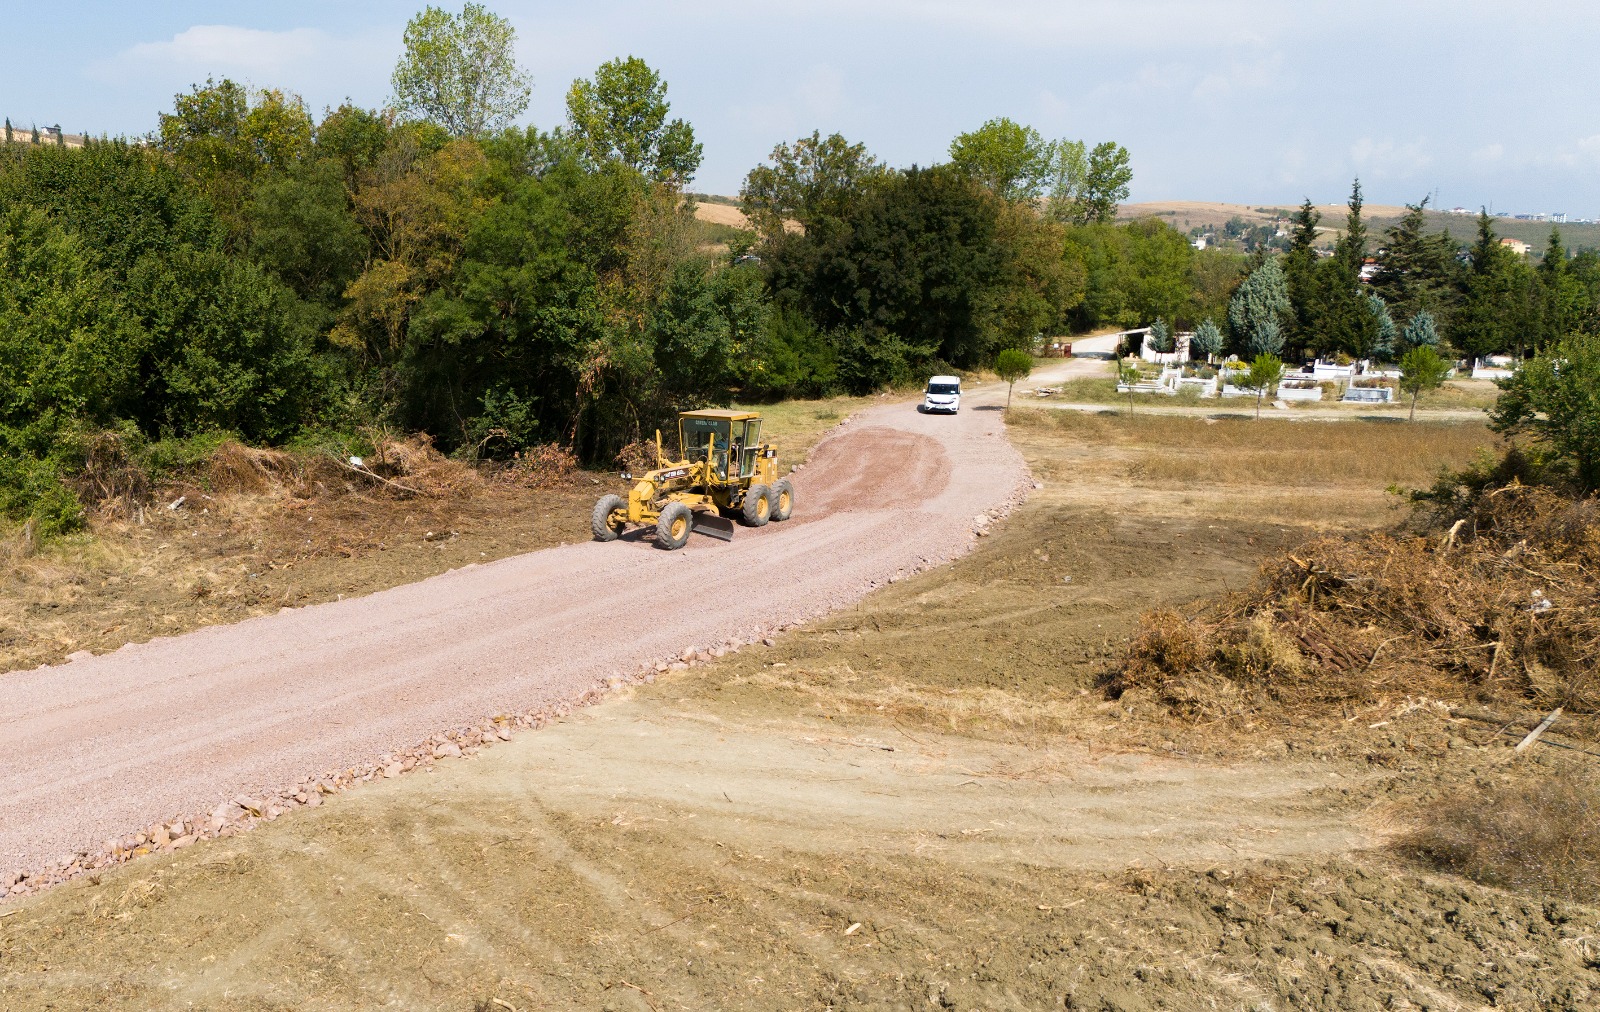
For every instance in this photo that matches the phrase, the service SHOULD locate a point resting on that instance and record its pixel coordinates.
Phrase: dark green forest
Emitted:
(255, 271)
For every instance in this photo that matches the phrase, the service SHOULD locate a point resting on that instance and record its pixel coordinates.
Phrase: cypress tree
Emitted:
(1351, 249)
(8, 129)
(1299, 270)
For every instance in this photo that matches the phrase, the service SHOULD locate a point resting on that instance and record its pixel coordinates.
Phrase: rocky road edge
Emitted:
(244, 812)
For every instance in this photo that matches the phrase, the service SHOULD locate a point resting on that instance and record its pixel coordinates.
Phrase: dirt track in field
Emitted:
(104, 746)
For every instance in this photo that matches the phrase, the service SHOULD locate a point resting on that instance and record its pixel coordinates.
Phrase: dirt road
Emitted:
(104, 745)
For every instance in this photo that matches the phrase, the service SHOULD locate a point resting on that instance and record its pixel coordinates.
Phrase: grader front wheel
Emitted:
(782, 499)
(757, 505)
(672, 530)
(603, 522)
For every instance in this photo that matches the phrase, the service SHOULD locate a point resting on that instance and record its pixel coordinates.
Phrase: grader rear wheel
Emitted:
(602, 523)
(757, 505)
(672, 530)
(782, 499)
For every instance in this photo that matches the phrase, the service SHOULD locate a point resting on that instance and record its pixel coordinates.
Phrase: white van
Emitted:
(944, 394)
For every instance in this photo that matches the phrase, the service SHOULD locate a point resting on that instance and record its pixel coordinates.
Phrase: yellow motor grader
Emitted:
(726, 471)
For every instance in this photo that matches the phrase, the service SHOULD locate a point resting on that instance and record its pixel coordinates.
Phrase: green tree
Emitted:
(621, 115)
(1266, 369)
(1350, 250)
(1010, 159)
(1416, 271)
(1161, 336)
(1485, 323)
(910, 270)
(1421, 369)
(814, 177)
(1214, 273)
(1066, 168)
(1420, 331)
(1554, 399)
(1012, 365)
(1208, 338)
(223, 136)
(460, 71)
(1340, 316)
(1383, 345)
(1300, 272)
(1105, 184)
(1258, 308)
(1127, 375)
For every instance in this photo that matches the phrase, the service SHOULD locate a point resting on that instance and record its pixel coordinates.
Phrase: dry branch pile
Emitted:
(1505, 606)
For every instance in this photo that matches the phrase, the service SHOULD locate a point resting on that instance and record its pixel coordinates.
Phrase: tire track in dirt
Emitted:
(105, 746)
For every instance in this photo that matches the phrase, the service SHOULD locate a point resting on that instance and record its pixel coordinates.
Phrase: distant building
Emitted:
(1516, 246)
(1198, 242)
(1460, 210)
(1369, 269)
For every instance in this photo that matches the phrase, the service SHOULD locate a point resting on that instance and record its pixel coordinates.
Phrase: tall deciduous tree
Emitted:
(812, 178)
(621, 115)
(1105, 184)
(460, 71)
(1012, 160)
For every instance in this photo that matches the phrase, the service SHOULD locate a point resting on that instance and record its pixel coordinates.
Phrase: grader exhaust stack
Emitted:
(726, 472)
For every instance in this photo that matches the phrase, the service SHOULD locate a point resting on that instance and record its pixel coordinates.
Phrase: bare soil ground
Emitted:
(923, 801)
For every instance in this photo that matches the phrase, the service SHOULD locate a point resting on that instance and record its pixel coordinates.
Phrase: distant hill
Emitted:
(1187, 214)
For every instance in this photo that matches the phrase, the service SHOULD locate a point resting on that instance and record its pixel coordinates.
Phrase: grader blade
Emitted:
(713, 525)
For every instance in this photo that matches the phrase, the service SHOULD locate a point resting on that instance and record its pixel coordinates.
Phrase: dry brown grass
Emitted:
(1538, 836)
(1279, 453)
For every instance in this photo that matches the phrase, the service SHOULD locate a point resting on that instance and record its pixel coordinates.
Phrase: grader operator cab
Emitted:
(726, 471)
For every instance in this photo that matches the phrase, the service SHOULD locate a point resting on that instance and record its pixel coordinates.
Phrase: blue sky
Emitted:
(1236, 100)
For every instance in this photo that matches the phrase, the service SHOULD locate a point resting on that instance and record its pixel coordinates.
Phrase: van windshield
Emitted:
(944, 388)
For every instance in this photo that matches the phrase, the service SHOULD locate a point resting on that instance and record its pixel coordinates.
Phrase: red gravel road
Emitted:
(105, 746)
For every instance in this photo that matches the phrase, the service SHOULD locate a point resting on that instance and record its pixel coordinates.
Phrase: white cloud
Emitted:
(1386, 159)
(322, 67)
(231, 48)
(1489, 153)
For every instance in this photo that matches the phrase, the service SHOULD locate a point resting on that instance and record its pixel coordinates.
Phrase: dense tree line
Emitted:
(1379, 297)
(254, 269)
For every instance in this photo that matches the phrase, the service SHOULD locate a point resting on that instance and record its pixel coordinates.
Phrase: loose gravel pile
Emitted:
(245, 722)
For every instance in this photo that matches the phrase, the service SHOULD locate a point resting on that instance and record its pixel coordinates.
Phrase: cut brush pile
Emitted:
(1502, 607)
